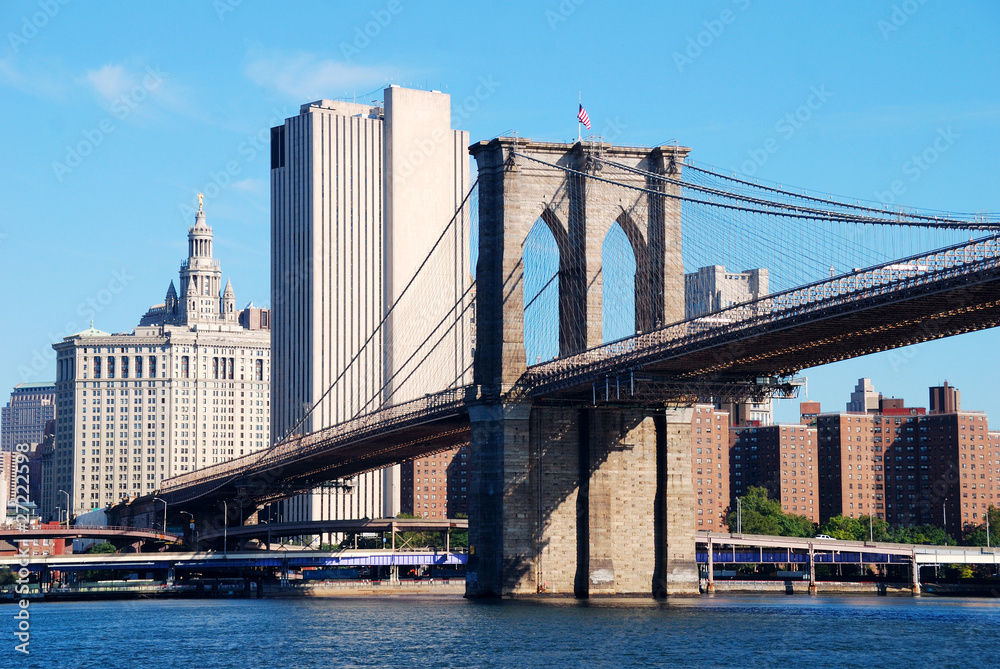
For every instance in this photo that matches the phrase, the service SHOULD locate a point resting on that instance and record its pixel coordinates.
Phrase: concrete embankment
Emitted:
(800, 587)
(367, 588)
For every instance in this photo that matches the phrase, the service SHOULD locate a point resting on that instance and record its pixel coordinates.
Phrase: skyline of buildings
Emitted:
(906, 465)
(23, 420)
(187, 388)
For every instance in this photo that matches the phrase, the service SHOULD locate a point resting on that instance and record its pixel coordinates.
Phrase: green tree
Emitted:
(99, 574)
(7, 577)
(921, 534)
(976, 535)
(102, 547)
(856, 529)
(762, 515)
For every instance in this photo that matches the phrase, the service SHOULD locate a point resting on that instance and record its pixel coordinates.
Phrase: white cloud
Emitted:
(40, 81)
(111, 81)
(304, 76)
(249, 185)
(134, 90)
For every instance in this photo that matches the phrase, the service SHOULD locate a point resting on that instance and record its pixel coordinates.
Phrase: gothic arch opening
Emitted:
(540, 259)
(618, 269)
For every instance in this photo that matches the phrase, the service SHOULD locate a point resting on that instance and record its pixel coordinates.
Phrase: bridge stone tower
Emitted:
(569, 498)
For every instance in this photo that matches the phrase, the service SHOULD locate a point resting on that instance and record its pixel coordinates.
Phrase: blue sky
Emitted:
(116, 114)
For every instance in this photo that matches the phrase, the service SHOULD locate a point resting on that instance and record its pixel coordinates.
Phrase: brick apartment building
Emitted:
(710, 438)
(781, 458)
(436, 486)
(908, 465)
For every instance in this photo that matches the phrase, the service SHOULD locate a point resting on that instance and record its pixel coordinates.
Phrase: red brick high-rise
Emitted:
(909, 466)
(436, 486)
(710, 437)
(781, 458)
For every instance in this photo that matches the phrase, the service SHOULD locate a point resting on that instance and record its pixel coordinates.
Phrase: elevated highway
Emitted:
(87, 532)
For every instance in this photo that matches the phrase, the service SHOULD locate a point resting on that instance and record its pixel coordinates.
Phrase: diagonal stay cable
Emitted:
(461, 208)
(401, 367)
(780, 191)
(931, 221)
(427, 355)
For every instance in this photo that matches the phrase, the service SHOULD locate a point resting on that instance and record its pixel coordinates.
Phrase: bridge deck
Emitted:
(924, 554)
(84, 532)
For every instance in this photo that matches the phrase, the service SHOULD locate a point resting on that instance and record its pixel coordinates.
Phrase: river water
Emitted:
(718, 631)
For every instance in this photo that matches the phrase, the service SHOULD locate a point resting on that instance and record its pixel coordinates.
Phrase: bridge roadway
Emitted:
(85, 532)
(949, 292)
(268, 531)
(283, 559)
(797, 549)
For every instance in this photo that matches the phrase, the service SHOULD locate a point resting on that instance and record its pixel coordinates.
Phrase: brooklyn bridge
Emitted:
(577, 404)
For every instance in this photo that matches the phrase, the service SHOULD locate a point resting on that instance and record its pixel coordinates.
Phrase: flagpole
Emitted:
(579, 101)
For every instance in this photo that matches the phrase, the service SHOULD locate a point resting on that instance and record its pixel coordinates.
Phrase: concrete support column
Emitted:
(619, 489)
(501, 504)
(711, 567)
(915, 573)
(812, 570)
(676, 568)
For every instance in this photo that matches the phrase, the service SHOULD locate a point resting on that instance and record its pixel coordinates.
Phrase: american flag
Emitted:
(584, 119)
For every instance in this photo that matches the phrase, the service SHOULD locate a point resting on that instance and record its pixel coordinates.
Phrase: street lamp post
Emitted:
(225, 528)
(871, 528)
(988, 526)
(68, 505)
(188, 513)
(739, 515)
(157, 499)
(944, 516)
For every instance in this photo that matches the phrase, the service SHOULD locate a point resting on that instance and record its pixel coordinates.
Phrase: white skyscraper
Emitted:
(188, 388)
(359, 194)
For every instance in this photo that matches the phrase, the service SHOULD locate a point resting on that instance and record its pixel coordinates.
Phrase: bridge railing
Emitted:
(79, 528)
(880, 279)
(429, 407)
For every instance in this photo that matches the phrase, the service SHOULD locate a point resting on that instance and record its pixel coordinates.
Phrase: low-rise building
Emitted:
(436, 486)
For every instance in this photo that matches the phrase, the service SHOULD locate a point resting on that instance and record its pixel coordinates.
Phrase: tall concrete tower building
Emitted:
(359, 194)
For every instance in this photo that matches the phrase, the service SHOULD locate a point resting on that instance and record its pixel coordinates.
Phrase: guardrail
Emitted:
(427, 408)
